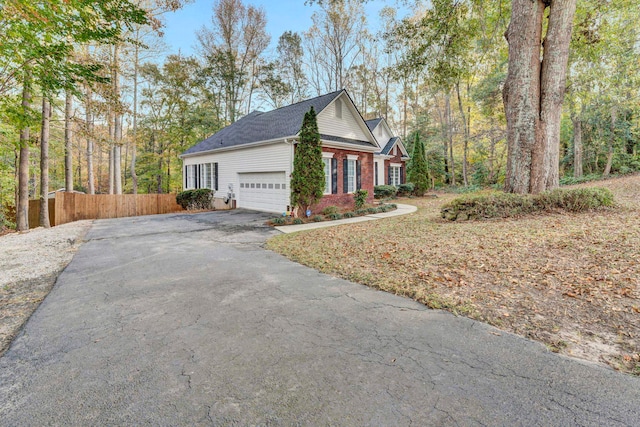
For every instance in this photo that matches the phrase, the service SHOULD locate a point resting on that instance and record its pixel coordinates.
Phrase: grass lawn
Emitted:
(571, 281)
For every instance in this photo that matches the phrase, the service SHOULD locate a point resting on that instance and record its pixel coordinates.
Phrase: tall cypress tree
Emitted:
(307, 179)
(418, 172)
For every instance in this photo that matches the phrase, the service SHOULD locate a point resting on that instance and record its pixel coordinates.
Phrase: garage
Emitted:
(263, 191)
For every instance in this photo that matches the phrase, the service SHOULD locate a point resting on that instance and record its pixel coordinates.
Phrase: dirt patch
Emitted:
(29, 265)
(571, 281)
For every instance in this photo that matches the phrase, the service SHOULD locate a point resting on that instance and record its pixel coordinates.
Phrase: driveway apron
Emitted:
(188, 320)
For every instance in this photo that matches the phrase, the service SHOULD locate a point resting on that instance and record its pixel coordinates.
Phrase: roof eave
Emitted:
(237, 147)
(347, 146)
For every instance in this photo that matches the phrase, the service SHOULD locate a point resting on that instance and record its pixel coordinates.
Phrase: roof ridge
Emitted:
(305, 100)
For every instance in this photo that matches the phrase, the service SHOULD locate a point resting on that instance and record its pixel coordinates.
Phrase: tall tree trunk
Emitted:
(89, 119)
(22, 205)
(111, 170)
(117, 124)
(610, 143)
(449, 124)
(465, 126)
(521, 93)
(577, 146)
(445, 142)
(68, 153)
(134, 143)
(552, 90)
(534, 91)
(44, 164)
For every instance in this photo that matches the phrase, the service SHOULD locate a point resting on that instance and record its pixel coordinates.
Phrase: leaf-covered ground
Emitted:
(571, 281)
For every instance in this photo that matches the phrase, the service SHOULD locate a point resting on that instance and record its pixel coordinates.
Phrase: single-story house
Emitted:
(249, 163)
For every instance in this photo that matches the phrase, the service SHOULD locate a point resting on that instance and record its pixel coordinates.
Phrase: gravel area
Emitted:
(29, 265)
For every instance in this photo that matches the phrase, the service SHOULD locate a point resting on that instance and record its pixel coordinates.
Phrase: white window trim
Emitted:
(326, 155)
(327, 178)
(352, 157)
(351, 189)
(395, 173)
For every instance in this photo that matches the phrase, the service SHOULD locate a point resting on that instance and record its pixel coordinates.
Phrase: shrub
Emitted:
(330, 210)
(318, 218)
(467, 189)
(372, 210)
(361, 212)
(195, 199)
(571, 180)
(348, 215)
(504, 205)
(335, 216)
(384, 191)
(360, 198)
(393, 206)
(298, 221)
(279, 221)
(406, 189)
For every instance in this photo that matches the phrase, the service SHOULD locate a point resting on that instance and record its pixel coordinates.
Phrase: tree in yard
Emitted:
(418, 169)
(232, 49)
(534, 92)
(307, 179)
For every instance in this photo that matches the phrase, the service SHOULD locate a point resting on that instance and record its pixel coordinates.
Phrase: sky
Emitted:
(282, 15)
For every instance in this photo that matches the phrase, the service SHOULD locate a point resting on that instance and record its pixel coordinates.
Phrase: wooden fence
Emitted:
(68, 207)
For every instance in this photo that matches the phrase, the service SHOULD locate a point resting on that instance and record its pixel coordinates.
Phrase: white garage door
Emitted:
(264, 191)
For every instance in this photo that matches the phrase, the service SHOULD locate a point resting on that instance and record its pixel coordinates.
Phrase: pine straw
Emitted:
(571, 281)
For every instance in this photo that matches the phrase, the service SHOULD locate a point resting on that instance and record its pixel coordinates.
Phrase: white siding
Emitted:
(276, 157)
(346, 127)
(382, 135)
(382, 176)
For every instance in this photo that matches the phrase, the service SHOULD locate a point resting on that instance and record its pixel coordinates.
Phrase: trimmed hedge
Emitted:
(195, 199)
(384, 191)
(406, 189)
(505, 205)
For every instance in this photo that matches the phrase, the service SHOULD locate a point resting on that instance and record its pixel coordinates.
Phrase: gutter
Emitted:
(235, 147)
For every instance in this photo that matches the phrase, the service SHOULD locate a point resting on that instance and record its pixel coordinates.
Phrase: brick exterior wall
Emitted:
(395, 159)
(366, 178)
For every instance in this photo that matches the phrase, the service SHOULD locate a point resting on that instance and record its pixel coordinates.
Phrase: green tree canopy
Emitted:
(307, 179)
(418, 171)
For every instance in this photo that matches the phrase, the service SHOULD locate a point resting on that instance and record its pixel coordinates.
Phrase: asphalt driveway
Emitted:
(187, 320)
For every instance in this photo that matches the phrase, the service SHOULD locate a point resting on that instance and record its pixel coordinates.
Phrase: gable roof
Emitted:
(261, 126)
(373, 123)
(387, 148)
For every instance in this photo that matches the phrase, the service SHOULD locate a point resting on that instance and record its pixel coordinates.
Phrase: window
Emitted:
(351, 176)
(338, 107)
(202, 175)
(327, 175)
(394, 175)
(191, 176)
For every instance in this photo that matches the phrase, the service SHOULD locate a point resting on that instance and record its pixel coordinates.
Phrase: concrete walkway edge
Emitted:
(402, 210)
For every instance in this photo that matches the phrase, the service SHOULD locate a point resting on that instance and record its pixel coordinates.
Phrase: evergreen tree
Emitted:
(307, 179)
(418, 172)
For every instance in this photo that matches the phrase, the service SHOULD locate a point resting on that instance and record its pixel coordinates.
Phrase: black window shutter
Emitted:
(345, 176)
(184, 178)
(197, 176)
(215, 176)
(358, 176)
(389, 175)
(334, 176)
(401, 175)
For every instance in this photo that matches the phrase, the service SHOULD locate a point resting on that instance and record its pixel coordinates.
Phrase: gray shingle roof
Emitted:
(371, 124)
(387, 148)
(265, 126)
